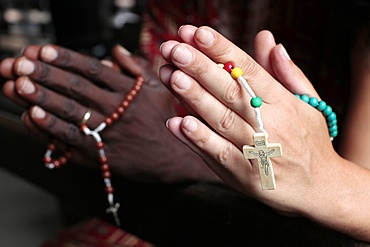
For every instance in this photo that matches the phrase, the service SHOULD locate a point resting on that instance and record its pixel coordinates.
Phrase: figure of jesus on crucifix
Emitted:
(263, 151)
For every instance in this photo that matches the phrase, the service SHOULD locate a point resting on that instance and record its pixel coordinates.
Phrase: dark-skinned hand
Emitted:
(57, 86)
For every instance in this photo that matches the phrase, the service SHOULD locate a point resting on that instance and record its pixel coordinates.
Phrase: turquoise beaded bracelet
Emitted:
(327, 111)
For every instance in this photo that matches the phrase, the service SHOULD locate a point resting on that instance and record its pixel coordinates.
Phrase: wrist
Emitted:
(339, 199)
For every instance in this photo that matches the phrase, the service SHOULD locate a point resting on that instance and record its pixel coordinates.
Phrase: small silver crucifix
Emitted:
(113, 209)
(263, 151)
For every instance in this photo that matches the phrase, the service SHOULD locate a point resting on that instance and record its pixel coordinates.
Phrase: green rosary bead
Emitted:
(256, 102)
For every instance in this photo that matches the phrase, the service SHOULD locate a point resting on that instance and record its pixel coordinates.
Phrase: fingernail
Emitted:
(23, 115)
(25, 67)
(182, 81)
(190, 125)
(205, 37)
(285, 53)
(182, 55)
(49, 53)
(167, 123)
(22, 50)
(178, 31)
(107, 63)
(38, 112)
(124, 50)
(27, 87)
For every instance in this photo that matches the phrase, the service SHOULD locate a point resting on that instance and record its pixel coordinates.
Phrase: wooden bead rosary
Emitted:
(103, 160)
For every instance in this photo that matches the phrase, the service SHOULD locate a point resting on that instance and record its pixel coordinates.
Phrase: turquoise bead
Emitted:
(321, 106)
(333, 128)
(327, 111)
(334, 134)
(256, 102)
(305, 98)
(313, 102)
(298, 96)
(332, 116)
(333, 122)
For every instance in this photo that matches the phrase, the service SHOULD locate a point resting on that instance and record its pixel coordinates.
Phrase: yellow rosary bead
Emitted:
(236, 72)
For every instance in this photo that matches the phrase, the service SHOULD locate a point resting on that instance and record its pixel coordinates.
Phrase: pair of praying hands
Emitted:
(311, 178)
(309, 175)
(58, 86)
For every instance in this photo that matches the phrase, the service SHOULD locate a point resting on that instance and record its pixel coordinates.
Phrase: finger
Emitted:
(166, 49)
(6, 68)
(10, 92)
(264, 42)
(186, 33)
(89, 67)
(221, 156)
(289, 74)
(66, 132)
(31, 52)
(225, 121)
(165, 73)
(69, 84)
(125, 61)
(65, 108)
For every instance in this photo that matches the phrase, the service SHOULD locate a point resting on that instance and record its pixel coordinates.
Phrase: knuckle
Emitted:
(224, 154)
(197, 97)
(93, 68)
(41, 97)
(44, 73)
(233, 93)
(250, 69)
(71, 133)
(76, 86)
(68, 110)
(227, 121)
(65, 59)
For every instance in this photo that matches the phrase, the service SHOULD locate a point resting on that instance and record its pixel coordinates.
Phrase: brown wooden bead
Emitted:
(103, 159)
(114, 116)
(104, 167)
(56, 163)
(100, 145)
(107, 174)
(109, 189)
(108, 121)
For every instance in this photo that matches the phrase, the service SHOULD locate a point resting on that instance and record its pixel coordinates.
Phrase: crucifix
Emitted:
(113, 209)
(263, 151)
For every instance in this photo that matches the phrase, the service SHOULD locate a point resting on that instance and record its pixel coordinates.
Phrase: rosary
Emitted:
(103, 160)
(263, 151)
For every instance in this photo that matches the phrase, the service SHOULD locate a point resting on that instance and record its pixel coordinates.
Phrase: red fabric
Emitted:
(95, 233)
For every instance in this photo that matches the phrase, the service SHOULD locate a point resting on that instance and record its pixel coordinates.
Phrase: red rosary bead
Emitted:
(51, 147)
(107, 174)
(56, 164)
(63, 160)
(103, 159)
(104, 167)
(100, 145)
(109, 189)
(228, 67)
(125, 104)
(48, 159)
(108, 121)
(114, 116)
(120, 110)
